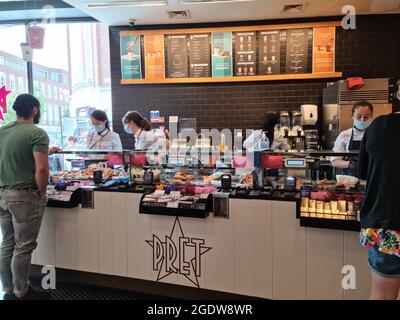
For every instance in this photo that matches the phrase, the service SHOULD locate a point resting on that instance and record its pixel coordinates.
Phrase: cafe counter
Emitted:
(258, 250)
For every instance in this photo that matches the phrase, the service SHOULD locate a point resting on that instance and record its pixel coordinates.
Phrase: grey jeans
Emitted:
(21, 213)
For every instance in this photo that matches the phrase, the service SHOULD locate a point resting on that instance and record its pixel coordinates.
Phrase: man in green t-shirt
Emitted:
(24, 174)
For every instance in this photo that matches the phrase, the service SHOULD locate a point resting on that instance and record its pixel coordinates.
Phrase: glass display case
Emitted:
(72, 171)
(328, 200)
(187, 185)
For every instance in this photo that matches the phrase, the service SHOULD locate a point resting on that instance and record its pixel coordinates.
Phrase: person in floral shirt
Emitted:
(379, 160)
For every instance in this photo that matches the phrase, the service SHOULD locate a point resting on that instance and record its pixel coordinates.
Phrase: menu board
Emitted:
(269, 52)
(221, 54)
(131, 66)
(228, 54)
(177, 54)
(245, 53)
(199, 55)
(324, 50)
(297, 51)
(154, 57)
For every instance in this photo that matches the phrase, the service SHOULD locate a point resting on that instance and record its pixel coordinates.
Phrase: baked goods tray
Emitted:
(198, 212)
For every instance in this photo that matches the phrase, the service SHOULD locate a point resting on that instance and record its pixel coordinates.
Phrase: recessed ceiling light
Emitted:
(210, 1)
(131, 3)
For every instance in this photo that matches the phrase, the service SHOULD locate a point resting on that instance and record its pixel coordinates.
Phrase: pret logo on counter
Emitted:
(178, 254)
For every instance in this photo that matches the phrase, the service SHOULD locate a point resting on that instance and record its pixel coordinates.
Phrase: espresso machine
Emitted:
(284, 123)
(309, 118)
(297, 132)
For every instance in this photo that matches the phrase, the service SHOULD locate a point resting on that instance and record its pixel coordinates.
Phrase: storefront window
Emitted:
(13, 71)
(73, 71)
(21, 86)
(71, 76)
(12, 85)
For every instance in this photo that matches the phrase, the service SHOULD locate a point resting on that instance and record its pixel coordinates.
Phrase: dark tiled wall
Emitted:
(372, 50)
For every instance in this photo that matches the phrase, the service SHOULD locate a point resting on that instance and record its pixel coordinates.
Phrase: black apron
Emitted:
(353, 146)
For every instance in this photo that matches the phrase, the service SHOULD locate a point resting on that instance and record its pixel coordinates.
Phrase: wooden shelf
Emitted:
(236, 79)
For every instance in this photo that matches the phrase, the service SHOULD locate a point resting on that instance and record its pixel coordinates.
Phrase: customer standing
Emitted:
(24, 174)
(379, 160)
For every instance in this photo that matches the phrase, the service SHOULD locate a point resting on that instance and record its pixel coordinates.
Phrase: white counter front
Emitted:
(260, 251)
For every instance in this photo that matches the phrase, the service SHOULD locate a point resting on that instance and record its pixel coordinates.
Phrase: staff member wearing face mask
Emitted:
(269, 130)
(350, 139)
(102, 137)
(140, 127)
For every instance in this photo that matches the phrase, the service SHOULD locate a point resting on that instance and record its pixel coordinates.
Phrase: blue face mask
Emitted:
(127, 129)
(99, 128)
(362, 125)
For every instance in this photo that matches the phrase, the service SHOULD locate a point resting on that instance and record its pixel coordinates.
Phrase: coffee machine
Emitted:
(309, 117)
(297, 132)
(292, 130)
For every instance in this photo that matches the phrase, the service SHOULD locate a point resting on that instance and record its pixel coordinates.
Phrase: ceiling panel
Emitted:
(222, 12)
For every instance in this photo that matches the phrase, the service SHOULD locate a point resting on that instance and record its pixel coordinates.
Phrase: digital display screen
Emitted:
(295, 162)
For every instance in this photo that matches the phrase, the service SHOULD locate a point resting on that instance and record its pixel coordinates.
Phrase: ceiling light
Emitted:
(210, 1)
(131, 3)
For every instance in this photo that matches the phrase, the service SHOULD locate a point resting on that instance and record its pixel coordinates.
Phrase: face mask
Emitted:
(362, 125)
(127, 129)
(99, 128)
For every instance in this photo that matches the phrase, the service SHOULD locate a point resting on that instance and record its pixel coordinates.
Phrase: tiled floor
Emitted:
(68, 291)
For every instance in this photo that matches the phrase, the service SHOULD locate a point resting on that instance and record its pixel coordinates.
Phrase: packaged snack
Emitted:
(342, 207)
(334, 207)
(312, 206)
(304, 205)
(320, 207)
(327, 208)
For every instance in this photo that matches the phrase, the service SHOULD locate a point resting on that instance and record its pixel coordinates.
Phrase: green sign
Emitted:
(131, 66)
(222, 54)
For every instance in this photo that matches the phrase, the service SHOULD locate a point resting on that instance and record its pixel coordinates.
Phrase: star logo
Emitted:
(3, 102)
(178, 254)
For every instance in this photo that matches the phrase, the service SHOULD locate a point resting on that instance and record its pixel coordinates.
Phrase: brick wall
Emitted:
(372, 50)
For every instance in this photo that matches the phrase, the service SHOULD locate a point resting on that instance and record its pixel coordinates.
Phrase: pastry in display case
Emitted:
(179, 200)
(84, 169)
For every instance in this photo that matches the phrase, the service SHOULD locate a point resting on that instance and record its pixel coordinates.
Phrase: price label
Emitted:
(175, 194)
(204, 196)
(174, 204)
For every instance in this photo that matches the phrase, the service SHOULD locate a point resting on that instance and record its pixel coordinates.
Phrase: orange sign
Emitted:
(324, 50)
(154, 57)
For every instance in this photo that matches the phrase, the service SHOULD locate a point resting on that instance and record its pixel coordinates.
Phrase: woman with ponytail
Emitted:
(140, 127)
